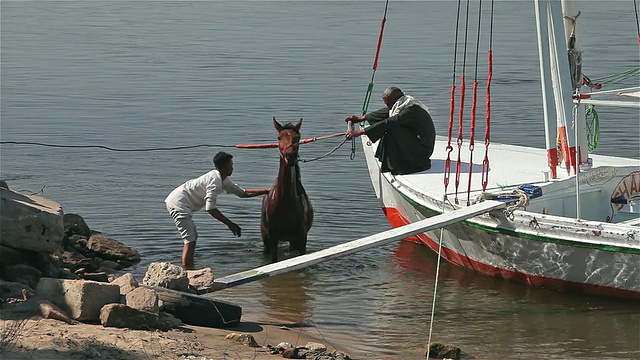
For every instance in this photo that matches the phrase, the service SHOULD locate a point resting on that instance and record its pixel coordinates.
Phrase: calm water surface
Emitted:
(146, 74)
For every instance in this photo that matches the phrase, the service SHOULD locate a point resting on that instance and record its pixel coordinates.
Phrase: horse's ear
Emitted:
(298, 124)
(276, 124)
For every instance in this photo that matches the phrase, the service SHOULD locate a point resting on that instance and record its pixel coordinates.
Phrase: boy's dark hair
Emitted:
(221, 159)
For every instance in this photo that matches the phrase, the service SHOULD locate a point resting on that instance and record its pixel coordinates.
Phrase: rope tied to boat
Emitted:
(522, 200)
(328, 153)
(174, 148)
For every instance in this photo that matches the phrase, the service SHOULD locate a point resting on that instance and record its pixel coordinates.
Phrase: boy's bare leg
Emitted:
(187, 255)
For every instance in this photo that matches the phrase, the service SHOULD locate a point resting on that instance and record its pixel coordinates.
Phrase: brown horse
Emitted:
(286, 211)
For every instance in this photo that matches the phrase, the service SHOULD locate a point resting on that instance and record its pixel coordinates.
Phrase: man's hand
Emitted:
(235, 229)
(354, 133)
(354, 118)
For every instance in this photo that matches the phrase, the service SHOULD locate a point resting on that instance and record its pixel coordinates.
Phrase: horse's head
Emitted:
(288, 141)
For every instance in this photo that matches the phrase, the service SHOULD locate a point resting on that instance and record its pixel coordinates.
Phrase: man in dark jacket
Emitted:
(405, 130)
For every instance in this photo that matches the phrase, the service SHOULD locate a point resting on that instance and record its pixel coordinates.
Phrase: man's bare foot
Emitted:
(188, 267)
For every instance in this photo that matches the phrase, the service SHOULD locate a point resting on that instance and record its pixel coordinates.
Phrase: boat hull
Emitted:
(558, 259)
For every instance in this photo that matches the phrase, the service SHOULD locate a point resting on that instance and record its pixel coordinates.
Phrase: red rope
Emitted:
(447, 163)
(473, 134)
(487, 131)
(462, 93)
(459, 140)
(384, 20)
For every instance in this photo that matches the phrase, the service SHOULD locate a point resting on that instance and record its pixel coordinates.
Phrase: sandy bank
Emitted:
(37, 338)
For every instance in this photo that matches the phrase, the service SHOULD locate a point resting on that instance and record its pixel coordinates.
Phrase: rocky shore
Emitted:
(61, 298)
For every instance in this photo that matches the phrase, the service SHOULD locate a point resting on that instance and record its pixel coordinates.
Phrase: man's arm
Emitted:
(377, 130)
(235, 229)
(254, 192)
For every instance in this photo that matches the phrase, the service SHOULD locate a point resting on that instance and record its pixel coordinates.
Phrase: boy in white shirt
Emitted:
(194, 194)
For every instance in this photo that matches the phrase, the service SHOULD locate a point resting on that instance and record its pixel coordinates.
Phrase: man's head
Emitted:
(391, 95)
(224, 163)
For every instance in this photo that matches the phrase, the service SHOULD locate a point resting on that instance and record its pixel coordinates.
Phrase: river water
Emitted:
(146, 74)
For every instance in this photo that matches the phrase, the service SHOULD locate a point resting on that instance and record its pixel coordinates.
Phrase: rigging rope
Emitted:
(447, 172)
(447, 163)
(435, 283)
(461, 111)
(635, 7)
(367, 96)
(473, 106)
(114, 149)
(487, 130)
(611, 79)
(239, 146)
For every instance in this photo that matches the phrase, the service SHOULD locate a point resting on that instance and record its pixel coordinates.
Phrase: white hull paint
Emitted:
(542, 245)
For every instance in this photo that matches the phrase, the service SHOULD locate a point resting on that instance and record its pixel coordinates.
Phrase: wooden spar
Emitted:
(354, 246)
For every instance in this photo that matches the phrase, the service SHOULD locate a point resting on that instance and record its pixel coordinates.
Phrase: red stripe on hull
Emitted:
(396, 219)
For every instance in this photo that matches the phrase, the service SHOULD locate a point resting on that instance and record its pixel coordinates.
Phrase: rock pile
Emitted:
(311, 350)
(70, 267)
(38, 240)
(98, 302)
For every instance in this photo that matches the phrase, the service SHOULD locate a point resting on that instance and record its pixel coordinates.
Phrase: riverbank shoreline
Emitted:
(36, 338)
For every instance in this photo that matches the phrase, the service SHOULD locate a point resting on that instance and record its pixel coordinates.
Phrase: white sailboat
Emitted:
(574, 233)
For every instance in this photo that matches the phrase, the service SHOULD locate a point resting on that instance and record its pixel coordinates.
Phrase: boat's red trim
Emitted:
(396, 219)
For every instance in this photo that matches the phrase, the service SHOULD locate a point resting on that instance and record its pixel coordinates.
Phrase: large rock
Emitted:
(97, 276)
(126, 282)
(199, 310)
(51, 267)
(123, 316)
(316, 347)
(74, 224)
(50, 311)
(30, 222)
(81, 299)
(163, 274)
(201, 280)
(10, 256)
(143, 299)
(13, 290)
(22, 273)
(111, 249)
(439, 350)
(77, 243)
(167, 321)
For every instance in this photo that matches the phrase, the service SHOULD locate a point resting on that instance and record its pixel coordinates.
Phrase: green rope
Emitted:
(367, 98)
(593, 127)
(614, 78)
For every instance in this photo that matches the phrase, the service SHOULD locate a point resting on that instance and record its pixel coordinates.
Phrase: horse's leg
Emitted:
(267, 243)
(264, 226)
(274, 250)
(302, 245)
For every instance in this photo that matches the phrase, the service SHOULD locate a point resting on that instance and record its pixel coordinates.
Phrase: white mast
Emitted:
(550, 127)
(571, 14)
(562, 84)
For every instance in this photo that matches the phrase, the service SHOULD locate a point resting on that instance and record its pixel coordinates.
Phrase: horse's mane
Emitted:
(290, 126)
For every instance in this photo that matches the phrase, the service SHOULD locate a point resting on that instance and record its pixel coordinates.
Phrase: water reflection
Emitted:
(566, 324)
(286, 296)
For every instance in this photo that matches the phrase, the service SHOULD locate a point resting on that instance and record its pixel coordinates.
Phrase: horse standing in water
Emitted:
(286, 211)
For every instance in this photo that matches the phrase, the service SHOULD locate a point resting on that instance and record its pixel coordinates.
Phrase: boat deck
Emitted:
(509, 165)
